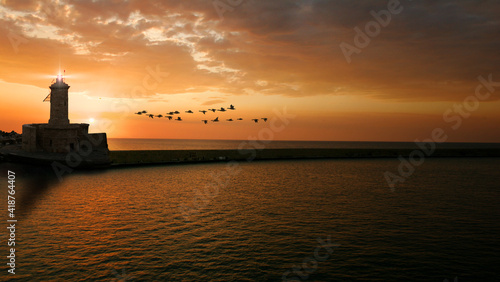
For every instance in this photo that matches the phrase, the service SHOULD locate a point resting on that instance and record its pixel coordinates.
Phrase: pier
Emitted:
(165, 157)
(145, 157)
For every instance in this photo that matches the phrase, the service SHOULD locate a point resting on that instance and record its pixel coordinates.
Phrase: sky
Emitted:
(318, 70)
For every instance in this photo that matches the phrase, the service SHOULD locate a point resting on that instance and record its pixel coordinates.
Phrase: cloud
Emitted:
(212, 102)
(431, 51)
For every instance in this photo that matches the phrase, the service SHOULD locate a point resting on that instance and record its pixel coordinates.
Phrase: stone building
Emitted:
(59, 135)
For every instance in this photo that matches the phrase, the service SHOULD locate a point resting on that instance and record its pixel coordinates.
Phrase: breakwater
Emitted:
(154, 157)
(144, 157)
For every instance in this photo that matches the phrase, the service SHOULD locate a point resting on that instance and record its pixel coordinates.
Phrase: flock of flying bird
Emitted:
(170, 115)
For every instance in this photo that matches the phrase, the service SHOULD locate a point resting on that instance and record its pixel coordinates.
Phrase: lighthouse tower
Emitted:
(61, 136)
(59, 103)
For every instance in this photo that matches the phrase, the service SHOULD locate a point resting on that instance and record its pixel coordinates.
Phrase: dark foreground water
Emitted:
(261, 221)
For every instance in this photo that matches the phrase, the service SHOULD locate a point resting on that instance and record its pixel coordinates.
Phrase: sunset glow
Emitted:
(263, 57)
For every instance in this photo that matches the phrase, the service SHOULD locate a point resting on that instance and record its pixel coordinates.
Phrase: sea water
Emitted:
(315, 220)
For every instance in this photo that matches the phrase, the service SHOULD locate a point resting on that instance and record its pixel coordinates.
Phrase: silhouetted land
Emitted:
(151, 157)
(120, 158)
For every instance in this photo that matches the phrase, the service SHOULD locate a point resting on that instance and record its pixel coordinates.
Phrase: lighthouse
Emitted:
(59, 136)
(59, 103)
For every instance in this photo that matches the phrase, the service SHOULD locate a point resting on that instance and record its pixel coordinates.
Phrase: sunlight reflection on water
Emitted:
(442, 222)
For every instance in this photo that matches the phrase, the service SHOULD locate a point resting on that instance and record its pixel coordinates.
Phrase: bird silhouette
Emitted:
(144, 112)
(231, 107)
(202, 111)
(178, 119)
(160, 116)
(151, 116)
(256, 120)
(264, 119)
(216, 119)
(138, 113)
(240, 119)
(176, 112)
(171, 113)
(213, 110)
(230, 119)
(205, 121)
(221, 109)
(169, 117)
(189, 112)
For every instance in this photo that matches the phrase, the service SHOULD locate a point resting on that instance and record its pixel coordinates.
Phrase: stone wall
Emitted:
(29, 138)
(60, 139)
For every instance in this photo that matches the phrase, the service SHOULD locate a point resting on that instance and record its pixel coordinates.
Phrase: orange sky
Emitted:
(122, 57)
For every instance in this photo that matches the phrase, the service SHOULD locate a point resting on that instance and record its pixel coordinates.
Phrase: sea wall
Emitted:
(194, 156)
